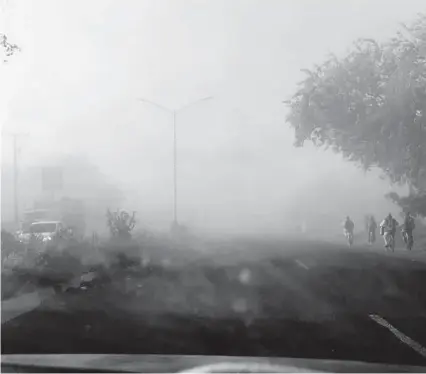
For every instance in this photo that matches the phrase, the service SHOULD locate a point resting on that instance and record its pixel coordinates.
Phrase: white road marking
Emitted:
(301, 264)
(401, 336)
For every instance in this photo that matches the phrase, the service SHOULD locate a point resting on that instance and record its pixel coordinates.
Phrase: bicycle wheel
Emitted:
(407, 241)
(410, 242)
(392, 244)
(371, 238)
(350, 240)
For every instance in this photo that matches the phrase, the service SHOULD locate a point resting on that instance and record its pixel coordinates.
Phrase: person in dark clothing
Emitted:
(407, 229)
(388, 230)
(348, 229)
(371, 230)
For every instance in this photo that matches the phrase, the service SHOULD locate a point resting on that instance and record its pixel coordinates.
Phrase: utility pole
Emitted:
(15, 138)
(175, 169)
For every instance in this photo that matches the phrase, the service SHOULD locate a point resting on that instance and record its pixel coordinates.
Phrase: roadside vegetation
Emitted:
(370, 107)
(27, 266)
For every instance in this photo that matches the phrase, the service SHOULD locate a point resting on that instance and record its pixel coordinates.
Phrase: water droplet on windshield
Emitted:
(166, 263)
(240, 306)
(245, 276)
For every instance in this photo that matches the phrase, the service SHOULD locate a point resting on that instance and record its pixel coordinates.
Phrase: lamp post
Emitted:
(174, 113)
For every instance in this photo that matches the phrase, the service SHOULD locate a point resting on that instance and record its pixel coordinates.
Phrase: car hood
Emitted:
(45, 234)
(178, 363)
(40, 235)
(25, 235)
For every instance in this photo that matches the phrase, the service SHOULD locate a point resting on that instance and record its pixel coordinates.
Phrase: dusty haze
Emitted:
(74, 90)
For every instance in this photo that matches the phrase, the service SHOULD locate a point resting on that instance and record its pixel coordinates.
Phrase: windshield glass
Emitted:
(37, 228)
(226, 167)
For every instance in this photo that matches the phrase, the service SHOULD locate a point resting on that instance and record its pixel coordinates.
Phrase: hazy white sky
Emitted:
(85, 62)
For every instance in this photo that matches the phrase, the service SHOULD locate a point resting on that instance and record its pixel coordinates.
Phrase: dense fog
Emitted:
(74, 93)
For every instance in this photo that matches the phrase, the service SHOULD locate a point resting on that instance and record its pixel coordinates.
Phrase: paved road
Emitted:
(250, 298)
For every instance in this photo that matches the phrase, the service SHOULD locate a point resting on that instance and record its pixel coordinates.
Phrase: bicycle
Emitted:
(390, 239)
(371, 237)
(408, 239)
(350, 237)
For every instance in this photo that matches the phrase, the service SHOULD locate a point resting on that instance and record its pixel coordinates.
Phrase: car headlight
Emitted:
(47, 238)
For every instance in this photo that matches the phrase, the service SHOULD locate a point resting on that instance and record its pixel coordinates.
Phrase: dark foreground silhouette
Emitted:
(312, 303)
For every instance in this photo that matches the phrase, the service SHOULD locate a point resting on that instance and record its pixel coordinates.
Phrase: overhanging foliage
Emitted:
(370, 106)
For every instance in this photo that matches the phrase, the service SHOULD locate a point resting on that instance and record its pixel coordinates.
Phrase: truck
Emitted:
(46, 234)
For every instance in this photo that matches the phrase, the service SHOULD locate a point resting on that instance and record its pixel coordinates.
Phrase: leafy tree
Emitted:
(8, 48)
(121, 223)
(370, 106)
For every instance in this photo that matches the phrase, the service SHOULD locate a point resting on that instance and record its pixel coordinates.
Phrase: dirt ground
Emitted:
(247, 298)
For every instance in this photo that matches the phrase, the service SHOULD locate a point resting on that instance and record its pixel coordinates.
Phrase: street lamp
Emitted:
(174, 113)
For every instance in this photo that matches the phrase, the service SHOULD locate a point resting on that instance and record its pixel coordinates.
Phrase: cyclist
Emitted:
(349, 226)
(407, 229)
(388, 230)
(371, 230)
